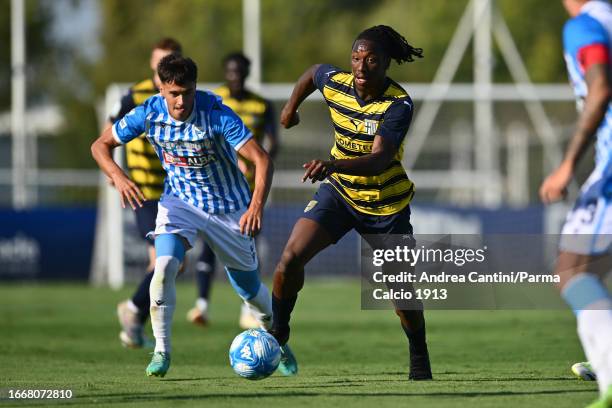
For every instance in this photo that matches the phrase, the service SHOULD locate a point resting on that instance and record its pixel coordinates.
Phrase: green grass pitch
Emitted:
(65, 337)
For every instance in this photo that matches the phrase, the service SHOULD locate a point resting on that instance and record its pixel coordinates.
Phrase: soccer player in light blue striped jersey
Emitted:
(196, 138)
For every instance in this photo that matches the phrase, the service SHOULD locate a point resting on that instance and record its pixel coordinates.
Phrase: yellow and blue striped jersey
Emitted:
(142, 161)
(356, 123)
(256, 113)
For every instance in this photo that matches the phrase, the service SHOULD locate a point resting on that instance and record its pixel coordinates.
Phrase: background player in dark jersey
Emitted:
(258, 115)
(364, 185)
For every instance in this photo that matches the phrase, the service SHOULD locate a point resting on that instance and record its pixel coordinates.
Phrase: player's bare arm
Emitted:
(305, 86)
(383, 151)
(101, 151)
(250, 222)
(595, 105)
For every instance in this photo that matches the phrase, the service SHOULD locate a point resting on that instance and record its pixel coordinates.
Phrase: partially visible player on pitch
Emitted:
(258, 116)
(586, 236)
(364, 185)
(196, 138)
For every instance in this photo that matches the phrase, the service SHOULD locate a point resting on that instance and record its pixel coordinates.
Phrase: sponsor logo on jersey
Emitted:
(359, 147)
(189, 161)
(192, 147)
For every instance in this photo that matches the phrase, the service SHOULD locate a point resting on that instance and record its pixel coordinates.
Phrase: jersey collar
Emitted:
(363, 103)
(592, 5)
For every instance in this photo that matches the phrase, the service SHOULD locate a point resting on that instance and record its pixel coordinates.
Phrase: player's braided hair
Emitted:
(393, 43)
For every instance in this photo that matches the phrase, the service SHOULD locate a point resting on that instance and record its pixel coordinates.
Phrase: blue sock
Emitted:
(170, 245)
(245, 283)
(584, 290)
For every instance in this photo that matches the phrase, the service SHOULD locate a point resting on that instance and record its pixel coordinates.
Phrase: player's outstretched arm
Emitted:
(595, 106)
(383, 151)
(251, 221)
(101, 150)
(303, 87)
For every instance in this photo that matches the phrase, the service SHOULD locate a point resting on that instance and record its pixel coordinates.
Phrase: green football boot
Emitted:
(288, 364)
(604, 402)
(159, 365)
(584, 371)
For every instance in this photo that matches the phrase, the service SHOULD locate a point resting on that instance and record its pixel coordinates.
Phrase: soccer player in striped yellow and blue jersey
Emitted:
(364, 184)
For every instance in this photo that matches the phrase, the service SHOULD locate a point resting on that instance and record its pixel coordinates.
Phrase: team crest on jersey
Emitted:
(199, 132)
(371, 126)
(310, 205)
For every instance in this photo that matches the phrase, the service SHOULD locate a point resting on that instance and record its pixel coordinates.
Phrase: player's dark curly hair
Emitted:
(392, 43)
(239, 58)
(175, 69)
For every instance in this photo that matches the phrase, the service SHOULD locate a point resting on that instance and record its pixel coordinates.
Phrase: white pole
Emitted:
(436, 93)
(487, 151)
(518, 164)
(116, 268)
(18, 101)
(461, 160)
(251, 40)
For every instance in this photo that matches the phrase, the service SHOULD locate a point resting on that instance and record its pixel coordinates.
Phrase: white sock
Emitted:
(132, 306)
(595, 332)
(202, 305)
(163, 300)
(261, 307)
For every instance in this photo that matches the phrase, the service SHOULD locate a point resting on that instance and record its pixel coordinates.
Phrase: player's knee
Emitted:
(166, 267)
(290, 262)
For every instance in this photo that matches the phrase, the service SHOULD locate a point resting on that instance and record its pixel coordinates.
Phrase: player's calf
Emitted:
(254, 294)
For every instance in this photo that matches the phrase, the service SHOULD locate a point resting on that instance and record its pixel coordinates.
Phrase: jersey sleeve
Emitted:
(396, 121)
(322, 75)
(583, 31)
(131, 125)
(231, 127)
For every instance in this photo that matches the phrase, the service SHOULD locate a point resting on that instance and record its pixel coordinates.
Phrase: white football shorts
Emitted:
(588, 226)
(220, 231)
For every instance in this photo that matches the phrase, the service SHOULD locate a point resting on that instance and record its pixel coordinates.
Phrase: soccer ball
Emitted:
(254, 354)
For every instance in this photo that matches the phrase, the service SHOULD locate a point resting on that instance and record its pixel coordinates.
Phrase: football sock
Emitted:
(202, 305)
(261, 306)
(417, 340)
(253, 292)
(591, 302)
(205, 270)
(141, 298)
(163, 300)
(170, 252)
(281, 309)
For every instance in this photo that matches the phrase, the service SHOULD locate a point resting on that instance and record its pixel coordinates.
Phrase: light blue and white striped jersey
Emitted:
(198, 154)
